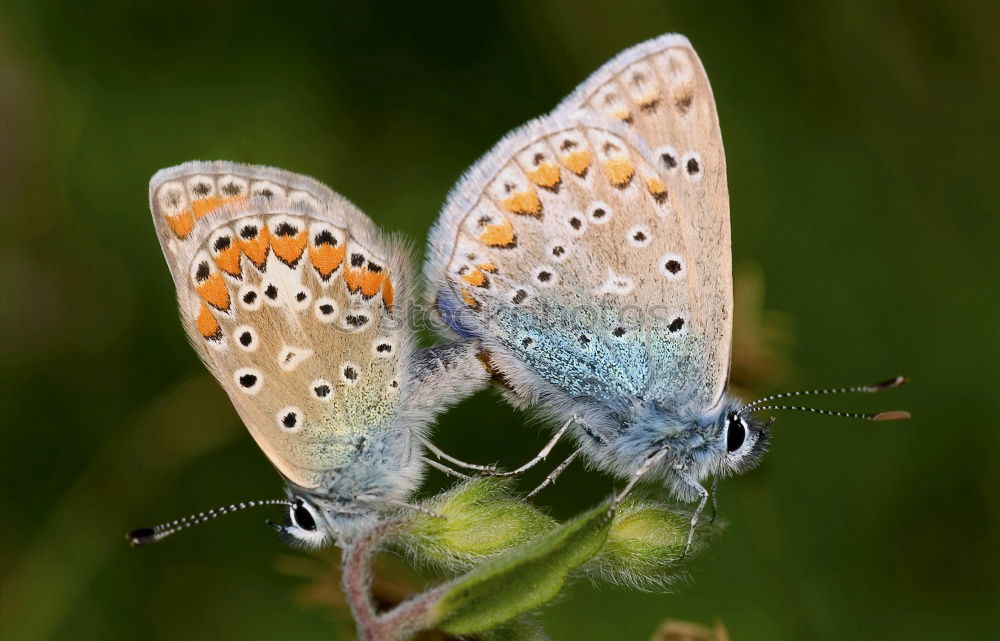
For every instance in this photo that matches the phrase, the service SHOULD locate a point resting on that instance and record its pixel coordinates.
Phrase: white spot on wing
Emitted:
(639, 236)
(302, 299)
(356, 320)
(321, 390)
(200, 186)
(246, 338)
(558, 250)
(325, 310)
(290, 419)
(303, 200)
(383, 348)
(691, 166)
(268, 190)
(248, 380)
(600, 212)
(233, 186)
(676, 66)
(291, 357)
(617, 285)
(668, 160)
(250, 298)
(545, 276)
(672, 266)
(349, 373)
(172, 198)
(575, 224)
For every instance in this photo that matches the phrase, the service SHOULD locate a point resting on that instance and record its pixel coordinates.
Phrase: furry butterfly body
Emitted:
(296, 302)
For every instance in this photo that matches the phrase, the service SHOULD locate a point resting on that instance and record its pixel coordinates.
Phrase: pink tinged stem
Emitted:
(405, 619)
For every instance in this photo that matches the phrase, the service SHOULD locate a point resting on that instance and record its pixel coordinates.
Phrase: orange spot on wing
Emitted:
(181, 223)
(619, 170)
(256, 248)
(621, 113)
(475, 277)
(578, 161)
(236, 202)
(214, 291)
(500, 235)
(488, 267)
(228, 260)
(546, 175)
(353, 278)
(370, 282)
(648, 102)
(470, 300)
(388, 293)
(656, 188)
(326, 259)
(207, 325)
(524, 202)
(289, 248)
(205, 206)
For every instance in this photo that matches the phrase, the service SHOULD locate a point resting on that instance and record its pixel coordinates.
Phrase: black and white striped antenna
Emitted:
(760, 405)
(148, 535)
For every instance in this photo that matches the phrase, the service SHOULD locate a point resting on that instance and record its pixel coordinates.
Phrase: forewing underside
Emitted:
(565, 247)
(288, 294)
(659, 90)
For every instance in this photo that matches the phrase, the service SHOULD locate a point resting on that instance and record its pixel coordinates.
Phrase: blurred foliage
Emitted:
(685, 631)
(862, 187)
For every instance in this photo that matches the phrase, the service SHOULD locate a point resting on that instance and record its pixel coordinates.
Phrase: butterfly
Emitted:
(589, 253)
(298, 304)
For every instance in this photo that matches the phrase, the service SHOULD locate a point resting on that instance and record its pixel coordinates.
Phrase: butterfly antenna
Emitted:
(864, 389)
(894, 415)
(147, 535)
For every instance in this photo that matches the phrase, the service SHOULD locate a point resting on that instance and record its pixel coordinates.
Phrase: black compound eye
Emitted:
(736, 433)
(302, 517)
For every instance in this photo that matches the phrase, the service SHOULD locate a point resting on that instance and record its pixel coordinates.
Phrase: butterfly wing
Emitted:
(580, 253)
(659, 90)
(533, 254)
(290, 295)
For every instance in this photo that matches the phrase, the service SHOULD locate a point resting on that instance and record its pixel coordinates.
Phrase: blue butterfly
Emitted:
(589, 252)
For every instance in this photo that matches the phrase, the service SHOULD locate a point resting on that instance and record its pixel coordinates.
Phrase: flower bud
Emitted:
(473, 522)
(645, 546)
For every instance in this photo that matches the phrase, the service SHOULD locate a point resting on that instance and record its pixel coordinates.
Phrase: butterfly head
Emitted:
(740, 443)
(305, 525)
(317, 520)
(742, 439)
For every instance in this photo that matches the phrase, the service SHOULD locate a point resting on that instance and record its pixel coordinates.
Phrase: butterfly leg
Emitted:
(715, 497)
(551, 478)
(647, 465)
(703, 493)
(444, 468)
(489, 469)
(542, 454)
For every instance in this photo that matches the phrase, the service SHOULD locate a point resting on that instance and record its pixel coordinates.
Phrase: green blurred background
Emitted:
(861, 140)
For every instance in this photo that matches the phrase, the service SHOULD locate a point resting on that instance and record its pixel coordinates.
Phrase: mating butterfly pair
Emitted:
(583, 264)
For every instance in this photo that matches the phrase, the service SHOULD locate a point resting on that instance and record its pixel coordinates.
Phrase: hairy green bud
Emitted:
(645, 546)
(471, 523)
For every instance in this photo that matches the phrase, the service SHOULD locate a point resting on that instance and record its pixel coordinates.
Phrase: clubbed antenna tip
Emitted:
(142, 536)
(147, 535)
(894, 415)
(891, 383)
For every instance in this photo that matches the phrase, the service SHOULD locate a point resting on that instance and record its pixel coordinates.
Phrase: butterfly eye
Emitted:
(302, 518)
(736, 433)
